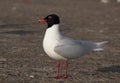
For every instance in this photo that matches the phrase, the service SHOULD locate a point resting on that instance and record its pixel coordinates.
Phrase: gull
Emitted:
(60, 47)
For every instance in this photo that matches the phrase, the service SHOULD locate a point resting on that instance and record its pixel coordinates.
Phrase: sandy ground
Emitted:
(22, 59)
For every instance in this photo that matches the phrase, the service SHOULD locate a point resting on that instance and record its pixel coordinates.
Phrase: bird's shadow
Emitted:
(113, 68)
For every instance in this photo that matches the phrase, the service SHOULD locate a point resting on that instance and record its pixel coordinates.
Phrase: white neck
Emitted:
(53, 32)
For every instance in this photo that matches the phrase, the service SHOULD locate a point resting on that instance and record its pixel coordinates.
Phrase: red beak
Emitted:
(41, 20)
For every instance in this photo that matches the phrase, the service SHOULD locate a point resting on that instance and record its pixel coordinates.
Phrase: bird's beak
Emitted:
(41, 20)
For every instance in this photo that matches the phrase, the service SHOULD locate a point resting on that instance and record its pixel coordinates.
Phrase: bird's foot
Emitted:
(64, 77)
(56, 77)
(59, 77)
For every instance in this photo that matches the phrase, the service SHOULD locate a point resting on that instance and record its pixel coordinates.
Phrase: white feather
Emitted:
(99, 46)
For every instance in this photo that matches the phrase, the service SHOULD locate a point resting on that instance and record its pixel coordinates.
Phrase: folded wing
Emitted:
(70, 48)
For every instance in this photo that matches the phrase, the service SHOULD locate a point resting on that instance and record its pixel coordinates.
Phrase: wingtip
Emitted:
(100, 45)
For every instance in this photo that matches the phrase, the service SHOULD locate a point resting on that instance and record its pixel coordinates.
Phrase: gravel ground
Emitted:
(22, 59)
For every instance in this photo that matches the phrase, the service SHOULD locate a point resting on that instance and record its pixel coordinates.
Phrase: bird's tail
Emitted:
(100, 45)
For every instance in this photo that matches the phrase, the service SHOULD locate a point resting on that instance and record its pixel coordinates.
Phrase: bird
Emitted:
(59, 47)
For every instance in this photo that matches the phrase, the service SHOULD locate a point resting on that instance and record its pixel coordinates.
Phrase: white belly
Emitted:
(49, 42)
(49, 49)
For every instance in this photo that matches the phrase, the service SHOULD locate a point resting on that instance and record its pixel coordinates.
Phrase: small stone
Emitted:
(104, 1)
(31, 76)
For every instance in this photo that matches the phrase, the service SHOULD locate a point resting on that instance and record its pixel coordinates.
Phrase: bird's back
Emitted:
(71, 48)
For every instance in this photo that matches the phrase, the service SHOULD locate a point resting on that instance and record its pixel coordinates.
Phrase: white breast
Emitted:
(52, 35)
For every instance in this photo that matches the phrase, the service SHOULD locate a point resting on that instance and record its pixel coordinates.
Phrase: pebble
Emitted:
(31, 76)
(104, 1)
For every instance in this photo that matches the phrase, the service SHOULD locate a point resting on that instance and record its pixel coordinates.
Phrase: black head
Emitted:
(51, 20)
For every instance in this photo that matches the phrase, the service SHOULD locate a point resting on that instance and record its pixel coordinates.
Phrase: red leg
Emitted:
(57, 71)
(58, 68)
(66, 69)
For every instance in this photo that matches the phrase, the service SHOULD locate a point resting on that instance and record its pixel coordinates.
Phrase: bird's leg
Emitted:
(58, 68)
(57, 71)
(66, 69)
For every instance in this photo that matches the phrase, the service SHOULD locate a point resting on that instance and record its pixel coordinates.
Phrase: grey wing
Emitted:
(73, 48)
